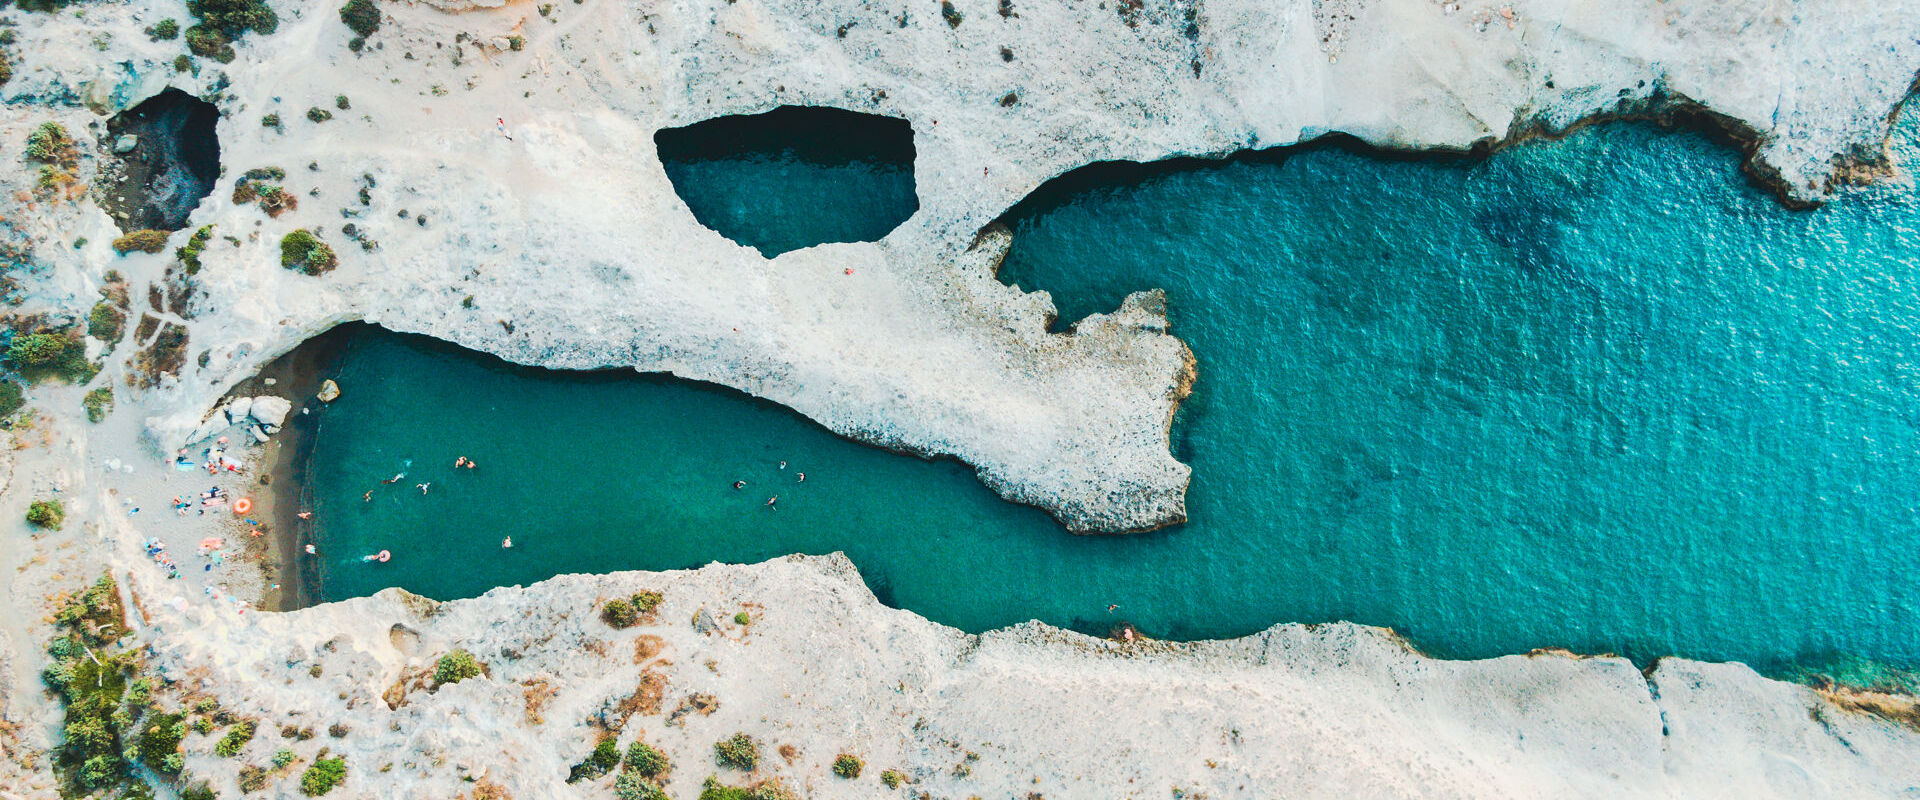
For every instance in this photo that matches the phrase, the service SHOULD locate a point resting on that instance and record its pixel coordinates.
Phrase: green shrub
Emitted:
(198, 791)
(646, 601)
(106, 321)
(605, 756)
(164, 29)
(340, 102)
(146, 241)
(713, 789)
(36, 349)
(51, 144)
(189, 253)
(633, 786)
(160, 736)
(318, 114)
(12, 398)
(301, 250)
(950, 14)
(271, 121)
(98, 403)
(458, 666)
(181, 63)
(738, 751)
(644, 759)
(237, 738)
(322, 776)
(742, 618)
(893, 778)
(235, 17)
(618, 613)
(208, 43)
(283, 757)
(516, 43)
(252, 778)
(47, 514)
(361, 16)
(848, 765)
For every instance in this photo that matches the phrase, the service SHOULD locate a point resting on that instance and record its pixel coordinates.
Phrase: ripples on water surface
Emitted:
(1596, 393)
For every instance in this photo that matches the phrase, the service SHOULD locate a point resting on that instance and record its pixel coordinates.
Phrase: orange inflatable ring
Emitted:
(242, 506)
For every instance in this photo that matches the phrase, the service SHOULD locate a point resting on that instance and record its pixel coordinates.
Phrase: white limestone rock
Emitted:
(271, 410)
(238, 409)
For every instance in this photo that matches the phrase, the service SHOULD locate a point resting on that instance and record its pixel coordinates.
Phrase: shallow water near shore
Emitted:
(1596, 393)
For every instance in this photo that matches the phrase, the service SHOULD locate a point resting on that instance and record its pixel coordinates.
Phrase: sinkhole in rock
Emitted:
(159, 175)
(794, 177)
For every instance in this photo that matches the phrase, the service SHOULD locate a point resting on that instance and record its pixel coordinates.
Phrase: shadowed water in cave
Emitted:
(171, 166)
(794, 177)
(1597, 393)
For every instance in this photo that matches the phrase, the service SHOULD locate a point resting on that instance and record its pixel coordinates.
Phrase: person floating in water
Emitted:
(1111, 607)
(309, 549)
(739, 484)
(783, 465)
(506, 543)
(771, 500)
(423, 486)
(460, 462)
(308, 514)
(395, 479)
(802, 476)
(368, 497)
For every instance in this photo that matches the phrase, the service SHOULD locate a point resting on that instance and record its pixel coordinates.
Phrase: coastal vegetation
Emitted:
(323, 775)
(237, 738)
(50, 144)
(47, 514)
(361, 16)
(624, 612)
(146, 241)
(738, 751)
(893, 778)
(304, 252)
(111, 717)
(318, 114)
(222, 22)
(51, 353)
(848, 765)
(600, 761)
(164, 30)
(189, 253)
(646, 760)
(455, 667)
(98, 403)
(771, 789)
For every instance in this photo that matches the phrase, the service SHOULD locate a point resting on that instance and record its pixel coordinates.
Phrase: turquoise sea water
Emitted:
(1596, 393)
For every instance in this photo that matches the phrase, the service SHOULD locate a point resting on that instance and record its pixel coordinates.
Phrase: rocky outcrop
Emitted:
(1302, 711)
(565, 246)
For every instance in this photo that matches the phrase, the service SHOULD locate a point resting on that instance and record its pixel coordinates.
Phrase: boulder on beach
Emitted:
(238, 409)
(271, 410)
(328, 391)
(258, 434)
(212, 425)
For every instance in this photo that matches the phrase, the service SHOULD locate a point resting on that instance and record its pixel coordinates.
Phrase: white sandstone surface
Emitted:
(576, 253)
(1295, 711)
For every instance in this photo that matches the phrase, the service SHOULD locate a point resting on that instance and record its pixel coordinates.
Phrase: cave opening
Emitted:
(794, 177)
(165, 160)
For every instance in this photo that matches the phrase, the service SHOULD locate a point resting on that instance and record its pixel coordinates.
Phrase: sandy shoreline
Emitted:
(297, 376)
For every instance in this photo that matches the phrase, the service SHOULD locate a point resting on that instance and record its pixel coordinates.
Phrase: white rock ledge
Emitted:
(1295, 711)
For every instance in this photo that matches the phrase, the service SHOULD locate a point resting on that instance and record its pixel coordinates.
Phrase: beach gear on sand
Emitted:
(242, 505)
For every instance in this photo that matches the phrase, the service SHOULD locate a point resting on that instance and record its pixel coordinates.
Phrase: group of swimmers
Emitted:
(458, 463)
(801, 476)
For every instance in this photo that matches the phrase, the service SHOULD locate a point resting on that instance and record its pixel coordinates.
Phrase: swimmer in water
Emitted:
(309, 549)
(783, 465)
(309, 514)
(423, 486)
(739, 484)
(395, 479)
(472, 463)
(368, 497)
(803, 477)
(460, 462)
(771, 499)
(507, 542)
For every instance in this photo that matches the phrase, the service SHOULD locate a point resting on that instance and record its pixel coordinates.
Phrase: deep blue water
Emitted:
(1596, 393)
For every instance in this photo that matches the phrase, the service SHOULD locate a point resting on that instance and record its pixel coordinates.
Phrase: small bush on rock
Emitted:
(325, 774)
(164, 29)
(301, 250)
(738, 751)
(147, 241)
(742, 618)
(51, 144)
(633, 786)
(361, 16)
(893, 778)
(646, 601)
(237, 738)
(644, 759)
(189, 253)
(47, 514)
(618, 614)
(98, 403)
(252, 778)
(283, 757)
(36, 349)
(605, 756)
(318, 114)
(848, 765)
(198, 791)
(458, 666)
